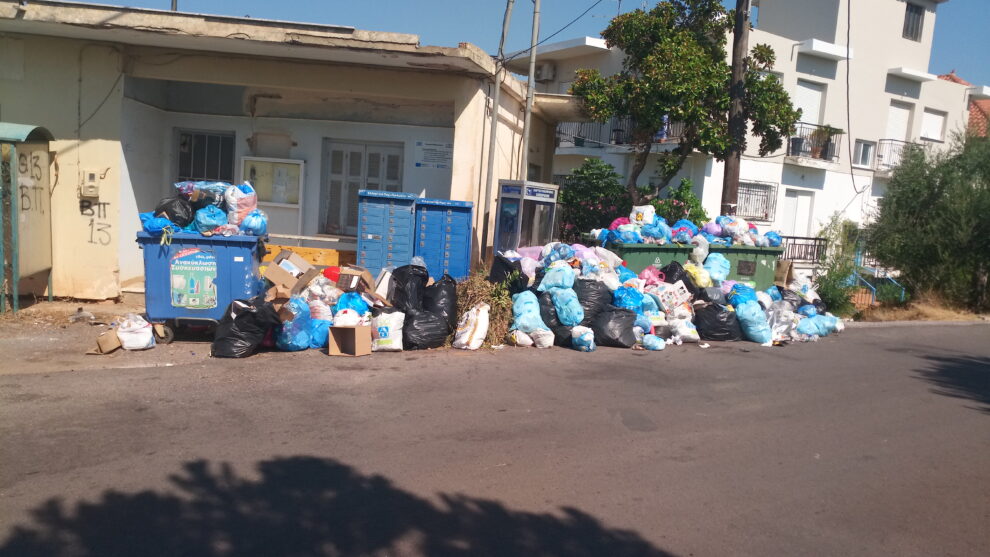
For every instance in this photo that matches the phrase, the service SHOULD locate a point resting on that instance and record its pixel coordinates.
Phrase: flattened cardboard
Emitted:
(284, 279)
(278, 297)
(784, 273)
(349, 341)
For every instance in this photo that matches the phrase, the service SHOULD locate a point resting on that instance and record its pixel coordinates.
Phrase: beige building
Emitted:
(138, 99)
(894, 101)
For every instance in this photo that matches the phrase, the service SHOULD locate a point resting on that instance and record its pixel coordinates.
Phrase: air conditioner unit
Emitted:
(546, 71)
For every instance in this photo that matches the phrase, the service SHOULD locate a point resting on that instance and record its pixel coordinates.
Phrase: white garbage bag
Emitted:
(386, 332)
(472, 328)
(135, 333)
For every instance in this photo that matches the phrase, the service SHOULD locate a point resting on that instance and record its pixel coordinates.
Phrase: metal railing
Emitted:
(813, 141)
(804, 249)
(890, 152)
(617, 131)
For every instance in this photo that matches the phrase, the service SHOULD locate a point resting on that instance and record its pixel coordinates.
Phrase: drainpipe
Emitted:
(493, 133)
(530, 89)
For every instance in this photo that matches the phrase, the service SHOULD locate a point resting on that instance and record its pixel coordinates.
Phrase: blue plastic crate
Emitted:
(443, 236)
(195, 277)
(385, 229)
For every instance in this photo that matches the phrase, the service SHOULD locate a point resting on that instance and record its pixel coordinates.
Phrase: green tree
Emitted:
(591, 198)
(681, 203)
(675, 70)
(932, 224)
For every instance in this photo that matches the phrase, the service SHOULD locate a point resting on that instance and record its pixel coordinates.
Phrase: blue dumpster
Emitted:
(194, 278)
(443, 236)
(385, 229)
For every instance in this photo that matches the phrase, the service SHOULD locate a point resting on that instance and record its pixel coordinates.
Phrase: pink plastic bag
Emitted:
(618, 222)
(652, 276)
(532, 252)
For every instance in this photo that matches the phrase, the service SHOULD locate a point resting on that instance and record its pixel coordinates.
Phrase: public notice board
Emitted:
(434, 154)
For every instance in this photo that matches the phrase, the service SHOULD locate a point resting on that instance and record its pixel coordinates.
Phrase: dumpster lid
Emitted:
(386, 194)
(24, 132)
(444, 202)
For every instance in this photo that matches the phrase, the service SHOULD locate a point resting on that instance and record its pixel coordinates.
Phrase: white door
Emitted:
(796, 217)
(808, 98)
(898, 120)
(354, 167)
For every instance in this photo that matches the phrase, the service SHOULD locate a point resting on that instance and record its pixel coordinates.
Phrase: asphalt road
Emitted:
(876, 442)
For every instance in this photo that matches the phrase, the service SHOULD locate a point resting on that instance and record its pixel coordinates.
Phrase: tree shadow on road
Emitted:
(960, 377)
(303, 506)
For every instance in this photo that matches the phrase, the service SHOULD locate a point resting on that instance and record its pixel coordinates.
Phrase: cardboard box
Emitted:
(278, 297)
(784, 273)
(290, 272)
(355, 279)
(106, 343)
(349, 341)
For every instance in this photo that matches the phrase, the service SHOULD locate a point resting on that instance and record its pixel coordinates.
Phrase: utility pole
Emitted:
(737, 119)
(530, 89)
(493, 132)
(175, 5)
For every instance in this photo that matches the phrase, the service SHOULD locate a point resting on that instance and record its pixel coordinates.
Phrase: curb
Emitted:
(880, 324)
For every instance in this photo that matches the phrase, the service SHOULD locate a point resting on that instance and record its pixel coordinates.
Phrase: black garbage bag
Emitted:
(204, 198)
(716, 322)
(820, 306)
(408, 286)
(502, 271)
(791, 297)
(594, 297)
(713, 295)
(423, 329)
(441, 298)
(614, 327)
(243, 328)
(674, 272)
(548, 312)
(176, 209)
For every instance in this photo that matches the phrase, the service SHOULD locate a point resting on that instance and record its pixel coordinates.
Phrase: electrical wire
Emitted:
(103, 102)
(849, 144)
(555, 33)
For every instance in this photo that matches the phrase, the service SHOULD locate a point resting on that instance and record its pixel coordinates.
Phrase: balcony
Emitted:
(802, 249)
(617, 131)
(890, 152)
(813, 146)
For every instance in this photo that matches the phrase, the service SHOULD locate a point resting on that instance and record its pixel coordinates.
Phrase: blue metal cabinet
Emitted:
(385, 229)
(443, 236)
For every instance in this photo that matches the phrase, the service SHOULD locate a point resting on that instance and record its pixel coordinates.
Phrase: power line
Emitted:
(555, 33)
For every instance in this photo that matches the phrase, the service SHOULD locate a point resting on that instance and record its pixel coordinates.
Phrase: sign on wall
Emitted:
(433, 154)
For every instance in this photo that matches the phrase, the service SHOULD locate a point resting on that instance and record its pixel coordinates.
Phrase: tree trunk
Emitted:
(681, 153)
(642, 155)
(980, 284)
(737, 118)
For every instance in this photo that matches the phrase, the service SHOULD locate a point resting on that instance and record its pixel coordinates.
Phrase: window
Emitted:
(351, 167)
(757, 200)
(863, 153)
(206, 156)
(914, 19)
(933, 125)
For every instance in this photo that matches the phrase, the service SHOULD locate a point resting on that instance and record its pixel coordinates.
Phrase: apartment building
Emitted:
(893, 101)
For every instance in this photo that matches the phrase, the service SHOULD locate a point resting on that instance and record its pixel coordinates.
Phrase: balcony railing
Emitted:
(804, 249)
(813, 141)
(890, 152)
(617, 131)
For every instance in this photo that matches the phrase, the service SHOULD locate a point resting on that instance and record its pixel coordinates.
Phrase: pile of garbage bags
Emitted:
(644, 226)
(208, 208)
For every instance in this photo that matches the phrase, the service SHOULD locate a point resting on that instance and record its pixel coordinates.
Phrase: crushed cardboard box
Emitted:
(106, 343)
(291, 273)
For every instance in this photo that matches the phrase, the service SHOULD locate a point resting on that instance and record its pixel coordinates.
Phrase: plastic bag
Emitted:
(624, 237)
(759, 241)
(529, 266)
(386, 330)
(506, 271)
(764, 299)
(559, 252)
(651, 304)
(700, 251)
(526, 313)
(243, 327)
(614, 327)
(774, 294)
(735, 227)
(685, 225)
(782, 321)
(323, 289)
(441, 298)
(177, 210)
(684, 330)
(294, 335)
(155, 225)
(642, 215)
(423, 330)
(718, 267)
(347, 318)
(255, 223)
(653, 342)
(594, 296)
(569, 309)
(774, 239)
(820, 325)
(699, 276)
(209, 218)
(559, 275)
(674, 272)
(618, 222)
(319, 332)
(741, 293)
(472, 328)
(715, 322)
(713, 228)
(353, 301)
(319, 310)
(134, 333)
(519, 338)
(628, 298)
(659, 231)
(583, 339)
(753, 321)
(548, 313)
(408, 285)
(651, 276)
(542, 338)
(241, 200)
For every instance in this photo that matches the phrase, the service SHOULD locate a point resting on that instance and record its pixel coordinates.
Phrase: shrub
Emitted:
(591, 198)
(681, 203)
(834, 282)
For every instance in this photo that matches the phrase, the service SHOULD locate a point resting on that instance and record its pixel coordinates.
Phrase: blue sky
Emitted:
(962, 41)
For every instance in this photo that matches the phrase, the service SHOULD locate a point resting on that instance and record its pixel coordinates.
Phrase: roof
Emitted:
(519, 61)
(20, 133)
(979, 110)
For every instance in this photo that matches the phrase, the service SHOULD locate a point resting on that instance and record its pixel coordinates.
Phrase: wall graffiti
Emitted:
(31, 183)
(100, 228)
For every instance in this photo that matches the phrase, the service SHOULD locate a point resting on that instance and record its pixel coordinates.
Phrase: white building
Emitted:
(894, 101)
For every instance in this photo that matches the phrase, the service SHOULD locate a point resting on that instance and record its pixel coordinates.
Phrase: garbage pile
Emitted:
(208, 208)
(644, 226)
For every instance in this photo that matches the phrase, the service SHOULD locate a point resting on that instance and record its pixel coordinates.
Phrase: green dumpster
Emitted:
(749, 264)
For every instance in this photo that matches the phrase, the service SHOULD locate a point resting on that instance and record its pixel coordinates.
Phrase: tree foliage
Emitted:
(681, 203)
(932, 224)
(675, 70)
(592, 198)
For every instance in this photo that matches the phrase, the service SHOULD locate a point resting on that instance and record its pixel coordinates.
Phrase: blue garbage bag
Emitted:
(753, 321)
(208, 218)
(560, 252)
(603, 237)
(294, 335)
(624, 237)
(741, 293)
(255, 223)
(569, 309)
(560, 276)
(774, 294)
(319, 333)
(628, 298)
(657, 220)
(684, 223)
(583, 339)
(624, 273)
(723, 220)
(774, 239)
(526, 313)
(657, 230)
(716, 240)
(351, 300)
(653, 342)
(821, 325)
(155, 225)
(718, 266)
(643, 322)
(650, 304)
(808, 310)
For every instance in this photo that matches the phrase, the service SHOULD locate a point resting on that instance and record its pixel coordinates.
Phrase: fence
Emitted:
(617, 131)
(804, 249)
(814, 141)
